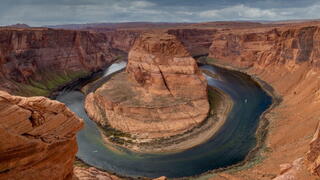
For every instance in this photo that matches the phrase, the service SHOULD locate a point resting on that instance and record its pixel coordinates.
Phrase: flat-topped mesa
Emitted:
(161, 64)
(161, 94)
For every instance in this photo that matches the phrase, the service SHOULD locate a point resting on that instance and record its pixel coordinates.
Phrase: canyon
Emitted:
(35, 61)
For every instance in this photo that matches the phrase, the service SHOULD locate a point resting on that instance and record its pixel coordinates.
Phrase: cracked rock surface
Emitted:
(37, 138)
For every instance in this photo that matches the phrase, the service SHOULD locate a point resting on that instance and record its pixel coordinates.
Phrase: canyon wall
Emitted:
(288, 58)
(38, 138)
(282, 46)
(196, 41)
(122, 39)
(35, 61)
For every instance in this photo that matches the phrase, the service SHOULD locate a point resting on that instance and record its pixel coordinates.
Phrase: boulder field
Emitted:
(151, 99)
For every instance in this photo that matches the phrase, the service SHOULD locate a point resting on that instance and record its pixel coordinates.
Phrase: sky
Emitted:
(53, 12)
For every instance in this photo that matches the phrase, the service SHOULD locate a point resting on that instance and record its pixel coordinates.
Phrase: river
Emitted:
(228, 146)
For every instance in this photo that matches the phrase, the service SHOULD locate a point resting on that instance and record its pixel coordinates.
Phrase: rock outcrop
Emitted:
(37, 138)
(161, 94)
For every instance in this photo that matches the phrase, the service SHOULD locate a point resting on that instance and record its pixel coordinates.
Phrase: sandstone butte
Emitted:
(151, 99)
(38, 138)
(286, 56)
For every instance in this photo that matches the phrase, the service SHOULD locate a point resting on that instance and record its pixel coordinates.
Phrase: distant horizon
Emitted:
(159, 22)
(39, 13)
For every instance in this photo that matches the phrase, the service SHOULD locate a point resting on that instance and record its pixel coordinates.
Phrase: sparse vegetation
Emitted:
(206, 60)
(48, 83)
(80, 163)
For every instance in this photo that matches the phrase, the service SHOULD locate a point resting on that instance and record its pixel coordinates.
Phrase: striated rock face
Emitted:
(122, 39)
(288, 59)
(35, 61)
(196, 41)
(161, 94)
(37, 138)
(283, 46)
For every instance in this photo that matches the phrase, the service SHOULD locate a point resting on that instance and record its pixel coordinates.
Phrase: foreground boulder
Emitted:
(162, 93)
(37, 138)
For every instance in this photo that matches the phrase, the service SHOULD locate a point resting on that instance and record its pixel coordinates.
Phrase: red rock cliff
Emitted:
(37, 138)
(282, 46)
(34, 61)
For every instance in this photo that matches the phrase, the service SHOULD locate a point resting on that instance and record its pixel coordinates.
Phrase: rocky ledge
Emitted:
(151, 99)
(38, 138)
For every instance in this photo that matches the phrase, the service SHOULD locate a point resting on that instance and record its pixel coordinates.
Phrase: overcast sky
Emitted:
(52, 12)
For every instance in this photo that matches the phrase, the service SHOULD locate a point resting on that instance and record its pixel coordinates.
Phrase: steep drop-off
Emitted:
(288, 59)
(37, 139)
(36, 61)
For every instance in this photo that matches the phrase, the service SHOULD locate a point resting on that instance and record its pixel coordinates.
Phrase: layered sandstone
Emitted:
(196, 41)
(152, 99)
(288, 59)
(37, 138)
(35, 61)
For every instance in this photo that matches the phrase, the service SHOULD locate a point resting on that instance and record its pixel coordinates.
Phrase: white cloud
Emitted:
(50, 12)
(141, 4)
(239, 11)
(242, 12)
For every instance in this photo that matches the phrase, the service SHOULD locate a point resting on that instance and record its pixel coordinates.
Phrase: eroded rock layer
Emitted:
(37, 138)
(161, 94)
